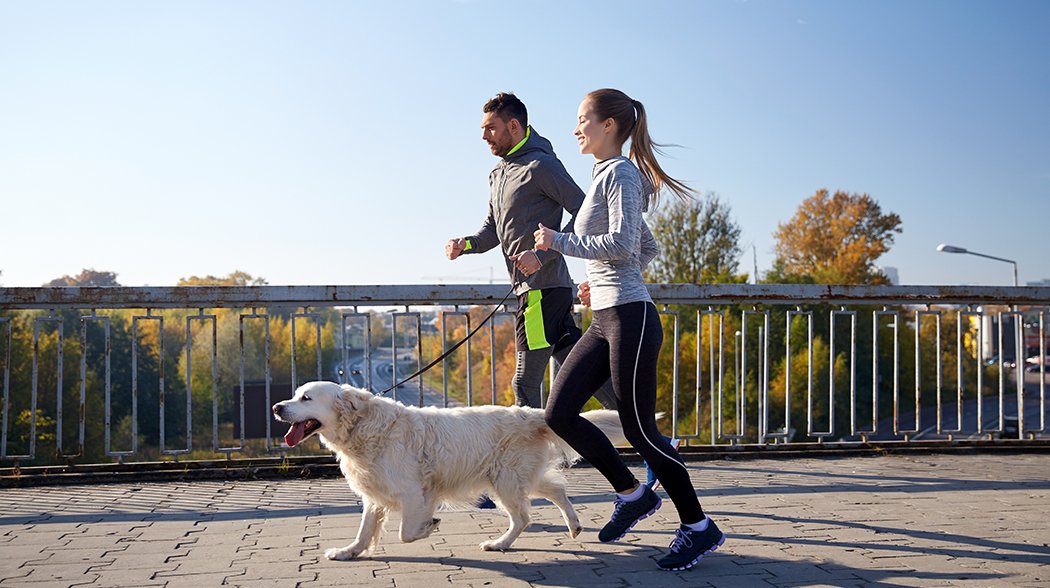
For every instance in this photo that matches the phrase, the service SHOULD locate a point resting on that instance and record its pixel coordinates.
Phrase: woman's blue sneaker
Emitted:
(691, 546)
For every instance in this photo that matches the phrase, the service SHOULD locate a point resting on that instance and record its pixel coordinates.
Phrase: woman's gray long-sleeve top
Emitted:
(611, 234)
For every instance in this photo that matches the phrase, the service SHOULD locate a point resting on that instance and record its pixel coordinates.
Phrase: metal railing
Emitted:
(744, 387)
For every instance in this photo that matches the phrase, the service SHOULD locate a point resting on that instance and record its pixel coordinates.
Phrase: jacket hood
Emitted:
(534, 145)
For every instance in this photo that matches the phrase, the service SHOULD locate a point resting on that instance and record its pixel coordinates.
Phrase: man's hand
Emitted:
(454, 247)
(544, 237)
(583, 292)
(527, 262)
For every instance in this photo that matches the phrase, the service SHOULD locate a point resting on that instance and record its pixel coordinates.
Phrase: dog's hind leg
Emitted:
(417, 517)
(552, 487)
(372, 516)
(517, 507)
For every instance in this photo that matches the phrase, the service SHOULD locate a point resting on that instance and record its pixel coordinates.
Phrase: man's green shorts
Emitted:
(544, 318)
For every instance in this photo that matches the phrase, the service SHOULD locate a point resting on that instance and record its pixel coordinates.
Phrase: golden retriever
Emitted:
(412, 460)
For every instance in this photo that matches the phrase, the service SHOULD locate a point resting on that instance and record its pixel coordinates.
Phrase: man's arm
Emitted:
(486, 238)
(480, 242)
(559, 186)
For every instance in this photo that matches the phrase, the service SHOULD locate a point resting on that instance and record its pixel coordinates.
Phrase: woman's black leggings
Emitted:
(623, 342)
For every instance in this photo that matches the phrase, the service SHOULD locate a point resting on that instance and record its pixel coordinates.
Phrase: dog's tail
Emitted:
(608, 421)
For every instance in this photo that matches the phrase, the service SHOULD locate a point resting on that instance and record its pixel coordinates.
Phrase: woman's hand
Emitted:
(544, 237)
(584, 293)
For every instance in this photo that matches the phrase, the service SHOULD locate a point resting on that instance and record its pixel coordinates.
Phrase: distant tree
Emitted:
(699, 242)
(235, 278)
(778, 275)
(86, 278)
(835, 240)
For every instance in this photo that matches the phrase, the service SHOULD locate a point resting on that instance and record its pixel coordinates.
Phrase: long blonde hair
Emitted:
(631, 124)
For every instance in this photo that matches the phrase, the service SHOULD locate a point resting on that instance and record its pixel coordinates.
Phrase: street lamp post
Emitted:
(944, 247)
(1018, 342)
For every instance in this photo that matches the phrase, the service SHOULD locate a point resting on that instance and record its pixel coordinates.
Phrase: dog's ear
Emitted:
(354, 398)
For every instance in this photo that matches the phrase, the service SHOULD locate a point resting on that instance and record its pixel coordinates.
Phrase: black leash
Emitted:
(457, 345)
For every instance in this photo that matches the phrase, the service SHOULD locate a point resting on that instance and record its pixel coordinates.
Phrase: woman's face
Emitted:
(593, 135)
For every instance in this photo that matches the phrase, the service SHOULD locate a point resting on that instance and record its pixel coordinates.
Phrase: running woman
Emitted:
(624, 338)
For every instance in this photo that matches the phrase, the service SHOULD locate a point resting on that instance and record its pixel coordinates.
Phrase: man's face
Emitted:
(496, 133)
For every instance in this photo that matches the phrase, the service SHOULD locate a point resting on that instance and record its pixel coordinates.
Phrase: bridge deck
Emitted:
(916, 520)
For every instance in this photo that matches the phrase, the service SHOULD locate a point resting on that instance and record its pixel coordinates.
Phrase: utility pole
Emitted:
(754, 258)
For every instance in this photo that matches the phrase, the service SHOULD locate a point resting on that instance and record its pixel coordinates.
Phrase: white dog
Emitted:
(407, 459)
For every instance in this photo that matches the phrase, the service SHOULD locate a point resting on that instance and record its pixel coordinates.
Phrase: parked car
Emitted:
(994, 360)
(1031, 364)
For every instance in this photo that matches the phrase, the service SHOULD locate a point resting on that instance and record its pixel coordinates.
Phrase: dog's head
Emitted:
(314, 408)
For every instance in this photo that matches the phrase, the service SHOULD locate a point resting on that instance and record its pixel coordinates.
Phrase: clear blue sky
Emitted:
(339, 142)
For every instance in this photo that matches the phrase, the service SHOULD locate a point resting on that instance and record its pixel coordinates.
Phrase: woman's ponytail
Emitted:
(632, 124)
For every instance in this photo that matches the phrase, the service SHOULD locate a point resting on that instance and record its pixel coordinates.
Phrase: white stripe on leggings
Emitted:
(634, 390)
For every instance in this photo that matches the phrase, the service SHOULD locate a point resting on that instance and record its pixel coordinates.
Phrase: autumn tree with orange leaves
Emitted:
(834, 240)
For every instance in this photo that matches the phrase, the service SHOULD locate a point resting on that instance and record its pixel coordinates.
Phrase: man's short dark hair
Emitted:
(507, 106)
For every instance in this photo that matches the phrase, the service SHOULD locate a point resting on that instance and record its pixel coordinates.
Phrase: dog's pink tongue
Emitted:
(295, 434)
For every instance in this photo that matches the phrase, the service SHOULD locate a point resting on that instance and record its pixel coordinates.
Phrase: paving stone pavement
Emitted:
(894, 520)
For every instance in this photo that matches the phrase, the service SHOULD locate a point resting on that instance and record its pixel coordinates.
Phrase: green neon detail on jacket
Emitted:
(528, 131)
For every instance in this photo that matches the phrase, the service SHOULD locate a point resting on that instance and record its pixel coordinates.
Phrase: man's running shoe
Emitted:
(650, 476)
(690, 546)
(627, 513)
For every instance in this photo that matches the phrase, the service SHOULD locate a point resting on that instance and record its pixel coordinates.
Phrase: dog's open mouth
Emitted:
(301, 430)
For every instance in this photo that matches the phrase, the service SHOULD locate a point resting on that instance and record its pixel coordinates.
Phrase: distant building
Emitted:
(891, 274)
(1027, 341)
(1043, 282)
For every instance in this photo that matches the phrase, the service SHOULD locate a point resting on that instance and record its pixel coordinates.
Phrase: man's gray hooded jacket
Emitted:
(528, 187)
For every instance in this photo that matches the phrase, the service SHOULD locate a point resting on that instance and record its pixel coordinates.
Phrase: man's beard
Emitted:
(504, 143)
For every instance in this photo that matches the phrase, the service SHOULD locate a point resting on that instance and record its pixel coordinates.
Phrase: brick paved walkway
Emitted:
(916, 520)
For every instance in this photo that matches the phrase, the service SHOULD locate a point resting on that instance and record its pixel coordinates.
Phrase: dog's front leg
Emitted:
(367, 535)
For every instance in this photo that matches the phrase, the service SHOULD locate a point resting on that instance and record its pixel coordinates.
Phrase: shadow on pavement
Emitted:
(719, 568)
(1021, 552)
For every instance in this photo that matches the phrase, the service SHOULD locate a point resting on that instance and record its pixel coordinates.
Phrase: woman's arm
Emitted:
(623, 196)
(649, 247)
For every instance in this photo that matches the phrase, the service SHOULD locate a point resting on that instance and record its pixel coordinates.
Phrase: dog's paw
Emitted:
(430, 528)
(408, 536)
(575, 531)
(344, 553)
(494, 546)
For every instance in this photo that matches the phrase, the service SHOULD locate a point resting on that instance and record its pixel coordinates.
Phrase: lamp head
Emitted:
(951, 248)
